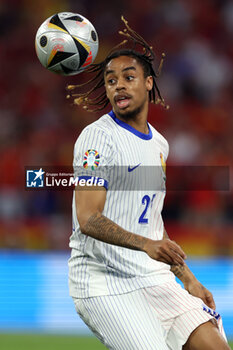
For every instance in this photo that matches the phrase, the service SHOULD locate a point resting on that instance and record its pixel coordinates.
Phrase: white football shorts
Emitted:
(160, 317)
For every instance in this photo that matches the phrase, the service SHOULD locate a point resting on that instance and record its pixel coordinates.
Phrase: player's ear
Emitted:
(149, 83)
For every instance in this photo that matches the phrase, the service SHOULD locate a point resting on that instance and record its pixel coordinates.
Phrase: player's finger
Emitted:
(174, 246)
(174, 258)
(178, 260)
(170, 250)
(166, 258)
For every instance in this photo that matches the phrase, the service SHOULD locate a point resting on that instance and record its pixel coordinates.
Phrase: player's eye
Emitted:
(129, 77)
(111, 81)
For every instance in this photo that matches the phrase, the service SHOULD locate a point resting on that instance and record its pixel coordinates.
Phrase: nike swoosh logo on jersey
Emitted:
(134, 167)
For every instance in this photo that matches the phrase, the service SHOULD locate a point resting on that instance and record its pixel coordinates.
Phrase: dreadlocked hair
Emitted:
(96, 95)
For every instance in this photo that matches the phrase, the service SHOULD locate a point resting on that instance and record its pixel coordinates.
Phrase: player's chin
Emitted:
(122, 110)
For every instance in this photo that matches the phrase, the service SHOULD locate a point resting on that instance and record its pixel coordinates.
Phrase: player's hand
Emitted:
(166, 251)
(196, 289)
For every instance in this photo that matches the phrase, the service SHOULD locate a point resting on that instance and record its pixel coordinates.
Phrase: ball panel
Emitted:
(43, 41)
(93, 35)
(68, 71)
(55, 20)
(75, 18)
(58, 57)
(88, 60)
(83, 50)
(80, 28)
(69, 66)
(78, 42)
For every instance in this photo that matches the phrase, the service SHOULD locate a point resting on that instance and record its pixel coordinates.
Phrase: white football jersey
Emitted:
(131, 166)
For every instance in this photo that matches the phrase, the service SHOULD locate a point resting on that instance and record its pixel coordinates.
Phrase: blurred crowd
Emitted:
(39, 125)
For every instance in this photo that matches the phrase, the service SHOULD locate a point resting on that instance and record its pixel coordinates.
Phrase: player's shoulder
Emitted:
(101, 127)
(160, 139)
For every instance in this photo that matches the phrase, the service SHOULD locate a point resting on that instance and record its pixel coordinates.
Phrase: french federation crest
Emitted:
(91, 159)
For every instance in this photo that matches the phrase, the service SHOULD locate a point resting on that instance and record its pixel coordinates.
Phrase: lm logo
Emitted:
(35, 178)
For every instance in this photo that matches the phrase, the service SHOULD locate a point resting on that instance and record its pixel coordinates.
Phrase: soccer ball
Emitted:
(66, 43)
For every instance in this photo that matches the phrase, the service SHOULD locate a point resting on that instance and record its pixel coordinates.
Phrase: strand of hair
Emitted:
(93, 101)
(160, 65)
(97, 109)
(137, 36)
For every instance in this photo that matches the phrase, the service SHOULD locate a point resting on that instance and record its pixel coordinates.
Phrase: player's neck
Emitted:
(138, 121)
(140, 124)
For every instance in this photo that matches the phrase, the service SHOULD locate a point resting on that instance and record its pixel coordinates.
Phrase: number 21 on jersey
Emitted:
(147, 201)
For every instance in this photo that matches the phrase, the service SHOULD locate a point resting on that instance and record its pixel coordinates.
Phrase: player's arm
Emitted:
(190, 282)
(89, 207)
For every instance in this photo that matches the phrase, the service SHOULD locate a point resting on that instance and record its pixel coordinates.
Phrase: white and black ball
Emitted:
(66, 43)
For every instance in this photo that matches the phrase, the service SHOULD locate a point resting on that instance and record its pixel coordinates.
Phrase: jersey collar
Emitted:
(130, 128)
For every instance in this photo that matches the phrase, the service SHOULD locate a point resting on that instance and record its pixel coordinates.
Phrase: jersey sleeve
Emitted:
(93, 155)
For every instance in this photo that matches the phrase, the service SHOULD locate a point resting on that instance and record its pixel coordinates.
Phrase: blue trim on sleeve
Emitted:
(105, 185)
(130, 128)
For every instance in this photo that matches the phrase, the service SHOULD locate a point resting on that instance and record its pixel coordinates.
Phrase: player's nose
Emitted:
(120, 84)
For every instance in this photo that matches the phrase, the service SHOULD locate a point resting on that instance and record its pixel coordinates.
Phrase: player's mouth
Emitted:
(122, 100)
